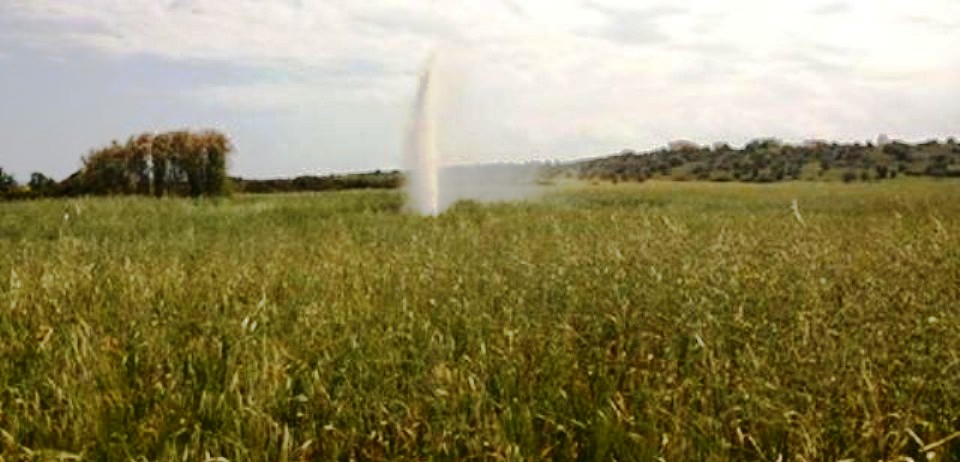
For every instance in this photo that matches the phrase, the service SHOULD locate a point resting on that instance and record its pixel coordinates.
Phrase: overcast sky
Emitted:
(312, 86)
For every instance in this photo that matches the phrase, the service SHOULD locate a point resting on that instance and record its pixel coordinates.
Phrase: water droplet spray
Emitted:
(421, 150)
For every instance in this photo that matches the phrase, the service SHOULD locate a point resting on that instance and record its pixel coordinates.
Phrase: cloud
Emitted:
(273, 34)
(932, 23)
(515, 8)
(832, 8)
(397, 21)
(562, 77)
(299, 94)
(635, 26)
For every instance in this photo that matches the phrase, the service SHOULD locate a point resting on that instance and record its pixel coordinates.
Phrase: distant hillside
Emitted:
(122, 169)
(769, 160)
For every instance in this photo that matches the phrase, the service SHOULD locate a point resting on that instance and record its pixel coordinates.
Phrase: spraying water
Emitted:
(421, 150)
(432, 188)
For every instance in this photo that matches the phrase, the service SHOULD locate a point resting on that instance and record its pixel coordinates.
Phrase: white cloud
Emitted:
(557, 76)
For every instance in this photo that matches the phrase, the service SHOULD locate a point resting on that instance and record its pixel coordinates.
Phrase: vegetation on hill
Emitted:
(768, 160)
(373, 180)
(653, 321)
(195, 164)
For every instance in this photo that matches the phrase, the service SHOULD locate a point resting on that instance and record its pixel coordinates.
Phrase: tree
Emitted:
(899, 151)
(105, 171)
(160, 157)
(881, 171)
(138, 162)
(178, 181)
(216, 146)
(7, 182)
(41, 184)
(180, 163)
(939, 165)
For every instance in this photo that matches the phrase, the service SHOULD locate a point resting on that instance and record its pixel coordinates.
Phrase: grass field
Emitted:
(682, 321)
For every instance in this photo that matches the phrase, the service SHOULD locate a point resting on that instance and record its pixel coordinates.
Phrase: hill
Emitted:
(769, 160)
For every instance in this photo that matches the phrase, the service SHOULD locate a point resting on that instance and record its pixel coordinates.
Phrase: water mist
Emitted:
(433, 185)
(421, 149)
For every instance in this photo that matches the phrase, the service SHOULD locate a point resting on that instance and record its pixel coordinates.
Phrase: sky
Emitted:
(322, 86)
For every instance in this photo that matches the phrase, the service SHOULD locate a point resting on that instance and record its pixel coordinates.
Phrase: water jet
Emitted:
(421, 150)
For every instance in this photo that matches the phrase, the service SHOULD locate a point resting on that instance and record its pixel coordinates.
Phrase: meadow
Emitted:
(653, 321)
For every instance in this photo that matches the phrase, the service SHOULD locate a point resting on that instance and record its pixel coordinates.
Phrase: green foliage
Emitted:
(768, 160)
(372, 180)
(175, 163)
(673, 321)
(7, 182)
(41, 184)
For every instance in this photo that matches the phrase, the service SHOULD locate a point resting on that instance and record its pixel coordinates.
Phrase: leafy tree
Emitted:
(767, 160)
(138, 150)
(160, 159)
(882, 171)
(938, 166)
(7, 182)
(105, 171)
(899, 151)
(41, 184)
(180, 162)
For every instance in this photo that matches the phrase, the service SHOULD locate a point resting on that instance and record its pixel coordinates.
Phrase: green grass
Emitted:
(682, 321)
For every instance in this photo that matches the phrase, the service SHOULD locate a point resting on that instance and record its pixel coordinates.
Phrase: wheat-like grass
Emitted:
(661, 321)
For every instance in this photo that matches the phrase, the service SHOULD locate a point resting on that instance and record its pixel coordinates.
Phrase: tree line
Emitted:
(769, 160)
(184, 163)
(373, 180)
(177, 163)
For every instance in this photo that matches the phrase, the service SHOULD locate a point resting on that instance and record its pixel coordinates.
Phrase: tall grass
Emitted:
(679, 321)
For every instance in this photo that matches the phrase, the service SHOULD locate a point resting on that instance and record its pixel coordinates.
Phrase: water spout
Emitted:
(421, 149)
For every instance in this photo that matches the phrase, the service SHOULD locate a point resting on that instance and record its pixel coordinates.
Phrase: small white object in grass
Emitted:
(796, 212)
(932, 319)
(700, 341)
